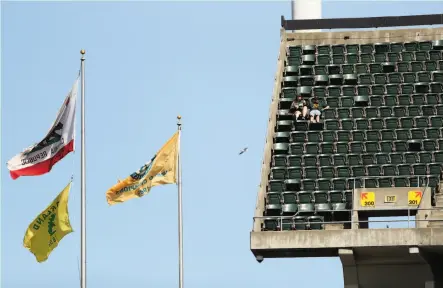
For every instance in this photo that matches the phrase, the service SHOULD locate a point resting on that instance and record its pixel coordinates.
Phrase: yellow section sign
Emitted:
(367, 199)
(414, 198)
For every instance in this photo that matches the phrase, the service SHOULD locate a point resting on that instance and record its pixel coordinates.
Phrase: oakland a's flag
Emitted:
(49, 228)
(162, 169)
(39, 158)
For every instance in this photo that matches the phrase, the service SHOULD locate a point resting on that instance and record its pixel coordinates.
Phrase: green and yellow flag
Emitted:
(49, 228)
(162, 169)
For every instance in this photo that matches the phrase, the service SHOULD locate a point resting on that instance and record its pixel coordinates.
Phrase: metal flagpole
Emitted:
(83, 181)
(180, 210)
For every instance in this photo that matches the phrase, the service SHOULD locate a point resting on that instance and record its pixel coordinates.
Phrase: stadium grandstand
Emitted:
(377, 150)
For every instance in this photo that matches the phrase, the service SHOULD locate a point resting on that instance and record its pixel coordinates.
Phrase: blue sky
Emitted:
(146, 63)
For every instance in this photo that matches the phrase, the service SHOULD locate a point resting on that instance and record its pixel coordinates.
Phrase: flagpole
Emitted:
(180, 210)
(83, 180)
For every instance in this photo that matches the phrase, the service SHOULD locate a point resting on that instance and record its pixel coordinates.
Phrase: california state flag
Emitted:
(39, 158)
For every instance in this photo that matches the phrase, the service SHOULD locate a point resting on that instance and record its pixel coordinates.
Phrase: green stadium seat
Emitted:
(296, 148)
(428, 110)
(320, 70)
(273, 202)
(410, 157)
(377, 123)
(300, 223)
(386, 146)
(325, 160)
(357, 112)
(340, 160)
(378, 89)
(308, 50)
(328, 136)
(294, 160)
(312, 148)
(347, 124)
(358, 135)
(436, 121)
(366, 58)
(295, 173)
(372, 112)
(424, 77)
(394, 57)
(324, 184)
(337, 200)
(324, 49)
(409, 77)
(349, 90)
(279, 160)
(433, 133)
(357, 147)
(407, 56)
(392, 89)
(343, 172)
(431, 65)
(421, 87)
(330, 114)
(306, 81)
(400, 181)
(301, 125)
(319, 91)
(285, 103)
(310, 160)
(362, 68)
(313, 136)
(404, 100)
(350, 79)
(321, 201)
(404, 170)
(386, 134)
(281, 137)
(421, 55)
(333, 69)
(283, 115)
(417, 66)
(344, 136)
(278, 173)
(437, 76)
(406, 123)
(365, 79)
(372, 147)
(396, 158)
(414, 111)
(363, 90)
(421, 122)
(418, 99)
(280, 148)
(354, 159)
(276, 186)
(311, 172)
(338, 49)
(291, 71)
(385, 111)
(368, 159)
(396, 47)
(352, 48)
(418, 133)
(433, 98)
(400, 146)
(385, 182)
(323, 59)
(309, 184)
(271, 224)
(334, 91)
(389, 170)
(348, 69)
(370, 183)
(292, 184)
(289, 206)
(326, 147)
(358, 171)
(316, 222)
(430, 145)
(437, 44)
(338, 59)
(298, 136)
(382, 158)
(435, 55)
(332, 124)
(343, 113)
(290, 81)
(419, 169)
(411, 46)
(352, 183)
(404, 67)
(436, 87)
(380, 57)
(373, 170)
(341, 147)
(287, 224)
(434, 168)
(321, 80)
(391, 123)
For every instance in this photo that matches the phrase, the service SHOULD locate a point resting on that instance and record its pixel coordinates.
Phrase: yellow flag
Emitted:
(160, 170)
(49, 228)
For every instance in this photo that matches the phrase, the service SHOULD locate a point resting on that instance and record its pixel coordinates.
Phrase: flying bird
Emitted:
(243, 151)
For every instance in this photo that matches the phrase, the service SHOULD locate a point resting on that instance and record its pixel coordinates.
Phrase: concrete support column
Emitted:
(350, 273)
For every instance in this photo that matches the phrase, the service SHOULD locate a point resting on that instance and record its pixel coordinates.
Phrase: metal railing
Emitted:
(308, 223)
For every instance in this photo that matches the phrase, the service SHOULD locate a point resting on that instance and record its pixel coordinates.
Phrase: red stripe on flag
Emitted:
(45, 166)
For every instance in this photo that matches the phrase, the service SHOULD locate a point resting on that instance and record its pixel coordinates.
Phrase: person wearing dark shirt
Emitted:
(299, 107)
(315, 112)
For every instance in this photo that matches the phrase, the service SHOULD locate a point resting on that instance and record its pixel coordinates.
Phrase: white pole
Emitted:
(306, 9)
(83, 180)
(180, 210)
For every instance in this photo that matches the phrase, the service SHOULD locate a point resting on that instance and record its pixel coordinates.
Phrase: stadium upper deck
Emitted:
(377, 152)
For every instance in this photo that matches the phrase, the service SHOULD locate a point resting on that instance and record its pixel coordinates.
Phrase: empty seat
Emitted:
(325, 160)
(344, 135)
(278, 173)
(295, 172)
(310, 160)
(294, 160)
(382, 158)
(321, 201)
(389, 170)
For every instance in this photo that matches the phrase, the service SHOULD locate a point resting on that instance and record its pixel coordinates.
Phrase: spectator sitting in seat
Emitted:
(315, 113)
(299, 107)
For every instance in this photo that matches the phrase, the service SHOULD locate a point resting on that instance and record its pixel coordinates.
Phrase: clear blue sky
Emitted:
(146, 63)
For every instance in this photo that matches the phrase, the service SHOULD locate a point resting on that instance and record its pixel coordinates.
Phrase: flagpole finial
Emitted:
(82, 51)
(179, 124)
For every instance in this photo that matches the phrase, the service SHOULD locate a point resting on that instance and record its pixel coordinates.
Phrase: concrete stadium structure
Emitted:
(393, 257)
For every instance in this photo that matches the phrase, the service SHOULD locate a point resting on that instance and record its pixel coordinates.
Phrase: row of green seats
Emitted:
(383, 111)
(295, 223)
(357, 159)
(296, 69)
(366, 48)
